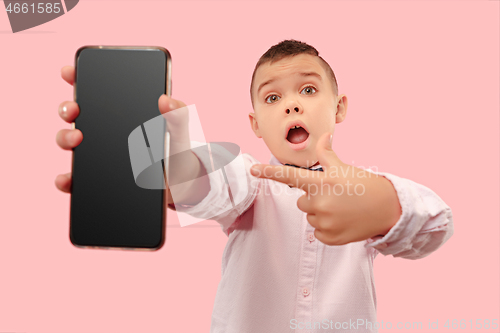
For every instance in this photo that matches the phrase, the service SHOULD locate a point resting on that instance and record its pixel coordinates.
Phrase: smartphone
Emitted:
(117, 89)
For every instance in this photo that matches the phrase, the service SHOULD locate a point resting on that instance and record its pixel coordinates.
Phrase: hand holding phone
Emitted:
(107, 210)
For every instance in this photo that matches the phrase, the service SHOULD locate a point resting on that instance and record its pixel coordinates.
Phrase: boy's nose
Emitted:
(296, 109)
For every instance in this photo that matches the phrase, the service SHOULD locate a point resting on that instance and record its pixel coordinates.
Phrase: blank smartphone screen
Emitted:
(117, 90)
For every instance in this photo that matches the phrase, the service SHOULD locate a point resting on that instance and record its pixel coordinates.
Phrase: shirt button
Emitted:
(310, 237)
(305, 292)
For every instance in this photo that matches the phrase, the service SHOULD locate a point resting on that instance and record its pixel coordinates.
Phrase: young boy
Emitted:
(301, 242)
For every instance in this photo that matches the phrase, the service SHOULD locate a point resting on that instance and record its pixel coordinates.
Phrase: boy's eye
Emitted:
(309, 90)
(273, 98)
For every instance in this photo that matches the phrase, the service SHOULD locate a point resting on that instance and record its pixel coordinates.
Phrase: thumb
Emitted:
(324, 151)
(167, 103)
(176, 113)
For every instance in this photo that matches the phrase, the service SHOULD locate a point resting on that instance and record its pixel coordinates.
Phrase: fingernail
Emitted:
(63, 110)
(172, 105)
(253, 171)
(69, 137)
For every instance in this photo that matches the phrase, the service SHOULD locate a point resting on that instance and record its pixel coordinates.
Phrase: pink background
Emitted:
(422, 81)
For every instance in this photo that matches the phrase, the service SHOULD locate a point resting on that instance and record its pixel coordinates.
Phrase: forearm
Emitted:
(191, 187)
(391, 207)
(384, 198)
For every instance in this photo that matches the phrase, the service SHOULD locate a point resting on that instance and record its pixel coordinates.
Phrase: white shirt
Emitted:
(276, 277)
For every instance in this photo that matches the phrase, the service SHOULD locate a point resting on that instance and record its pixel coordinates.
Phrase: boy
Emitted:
(299, 260)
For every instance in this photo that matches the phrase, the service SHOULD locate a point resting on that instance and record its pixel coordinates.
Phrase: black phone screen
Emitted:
(117, 90)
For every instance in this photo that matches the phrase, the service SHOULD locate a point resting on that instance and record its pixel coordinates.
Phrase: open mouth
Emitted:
(297, 134)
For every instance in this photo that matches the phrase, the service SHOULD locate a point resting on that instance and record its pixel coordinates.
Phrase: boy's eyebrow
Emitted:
(301, 74)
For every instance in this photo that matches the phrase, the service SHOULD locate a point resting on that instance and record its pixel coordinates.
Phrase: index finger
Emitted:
(68, 74)
(296, 177)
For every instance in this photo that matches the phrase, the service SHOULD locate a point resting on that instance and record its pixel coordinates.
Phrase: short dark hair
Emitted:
(290, 48)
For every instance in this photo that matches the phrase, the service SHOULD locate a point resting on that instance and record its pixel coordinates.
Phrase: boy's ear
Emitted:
(341, 109)
(254, 124)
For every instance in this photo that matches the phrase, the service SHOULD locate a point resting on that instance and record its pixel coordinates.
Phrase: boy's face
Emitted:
(292, 98)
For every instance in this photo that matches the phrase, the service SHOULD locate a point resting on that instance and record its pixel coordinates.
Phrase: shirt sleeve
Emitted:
(425, 224)
(232, 188)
